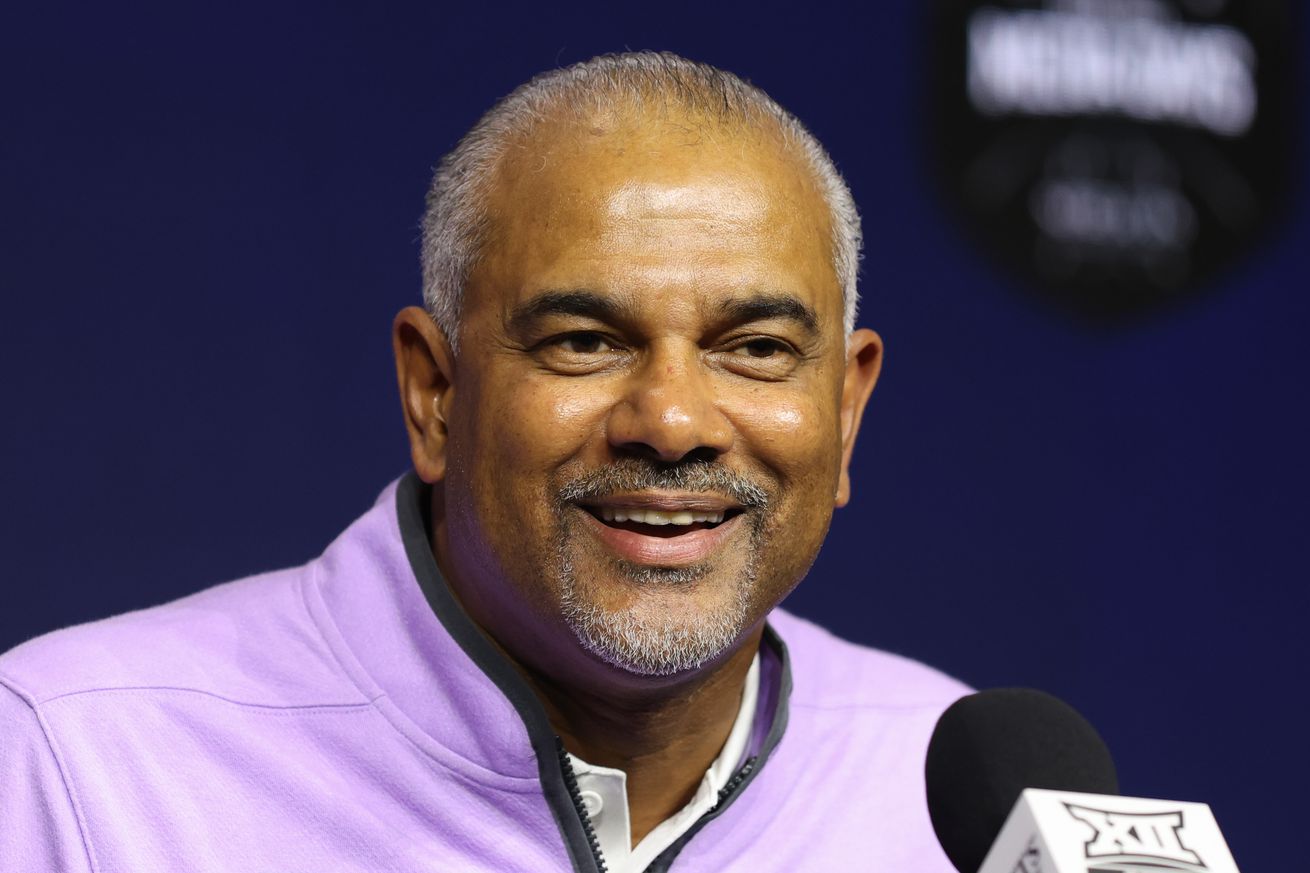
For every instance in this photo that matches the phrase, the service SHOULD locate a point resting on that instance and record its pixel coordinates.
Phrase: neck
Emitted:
(664, 734)
(664, 739)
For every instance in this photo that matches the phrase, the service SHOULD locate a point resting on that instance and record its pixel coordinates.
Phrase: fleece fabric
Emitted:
(347, 716)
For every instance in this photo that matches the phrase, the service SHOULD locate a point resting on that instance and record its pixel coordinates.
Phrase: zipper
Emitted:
(740, 778)
(735, 782)
(726, 794)
(571, 783)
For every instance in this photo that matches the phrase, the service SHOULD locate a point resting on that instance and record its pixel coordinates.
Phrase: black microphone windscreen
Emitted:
(988, 747)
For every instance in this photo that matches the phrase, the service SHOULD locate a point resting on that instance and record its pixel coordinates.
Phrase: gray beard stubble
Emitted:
(673, 641)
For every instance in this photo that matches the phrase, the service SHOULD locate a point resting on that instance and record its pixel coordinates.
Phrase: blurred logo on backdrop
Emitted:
(1117, 153)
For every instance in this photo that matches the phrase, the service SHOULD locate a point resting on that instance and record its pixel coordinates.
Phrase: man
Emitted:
(631, 401)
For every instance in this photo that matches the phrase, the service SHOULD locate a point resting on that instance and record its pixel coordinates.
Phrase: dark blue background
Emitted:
(209, 217)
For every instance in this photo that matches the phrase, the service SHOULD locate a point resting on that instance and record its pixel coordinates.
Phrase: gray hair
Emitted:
(456, 221)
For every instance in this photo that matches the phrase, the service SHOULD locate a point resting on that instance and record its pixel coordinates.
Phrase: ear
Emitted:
(425, 369)
(863, 363)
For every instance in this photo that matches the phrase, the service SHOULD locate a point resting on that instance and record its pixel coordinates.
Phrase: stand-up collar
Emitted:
(397, 628)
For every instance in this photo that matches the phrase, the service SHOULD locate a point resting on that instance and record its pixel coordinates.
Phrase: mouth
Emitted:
(661, 531)
(660, 523)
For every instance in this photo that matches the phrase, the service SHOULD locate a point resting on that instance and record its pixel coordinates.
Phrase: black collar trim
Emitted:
(412, 500)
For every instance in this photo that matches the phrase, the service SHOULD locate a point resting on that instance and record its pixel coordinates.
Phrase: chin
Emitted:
(664, 621)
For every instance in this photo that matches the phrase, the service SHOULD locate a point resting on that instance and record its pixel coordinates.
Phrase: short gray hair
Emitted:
(456, 221)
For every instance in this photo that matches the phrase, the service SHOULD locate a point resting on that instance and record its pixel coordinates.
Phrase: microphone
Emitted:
(1019, 782)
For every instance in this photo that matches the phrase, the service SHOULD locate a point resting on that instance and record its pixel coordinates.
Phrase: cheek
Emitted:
(532, 428)
(798, 440)
(507, 448)
(796, 434)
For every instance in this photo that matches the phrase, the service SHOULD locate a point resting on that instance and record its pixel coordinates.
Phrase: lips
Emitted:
(663, 532)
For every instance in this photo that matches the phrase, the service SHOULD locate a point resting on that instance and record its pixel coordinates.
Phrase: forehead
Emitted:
(654, 207)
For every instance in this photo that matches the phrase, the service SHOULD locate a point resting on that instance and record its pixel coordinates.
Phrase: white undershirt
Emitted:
(605, 794)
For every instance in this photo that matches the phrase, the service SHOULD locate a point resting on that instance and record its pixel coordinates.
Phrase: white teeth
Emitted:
(654, 516)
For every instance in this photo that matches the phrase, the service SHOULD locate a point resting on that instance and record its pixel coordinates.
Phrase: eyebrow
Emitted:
(762, 307)
(587, 304)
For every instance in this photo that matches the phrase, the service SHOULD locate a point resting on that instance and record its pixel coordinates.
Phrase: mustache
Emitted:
(640, 474)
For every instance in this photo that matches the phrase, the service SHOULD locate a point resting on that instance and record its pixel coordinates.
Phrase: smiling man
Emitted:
(631, 398)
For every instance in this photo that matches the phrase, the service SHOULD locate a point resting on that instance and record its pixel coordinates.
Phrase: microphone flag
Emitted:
(1071, 832)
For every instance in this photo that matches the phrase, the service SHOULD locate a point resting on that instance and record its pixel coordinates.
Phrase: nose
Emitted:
(669, 409)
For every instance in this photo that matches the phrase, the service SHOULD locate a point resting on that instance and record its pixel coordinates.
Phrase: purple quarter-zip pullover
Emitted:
(347, 717)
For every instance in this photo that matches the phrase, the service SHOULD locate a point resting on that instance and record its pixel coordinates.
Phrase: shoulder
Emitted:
(831, 673)
(251, 641)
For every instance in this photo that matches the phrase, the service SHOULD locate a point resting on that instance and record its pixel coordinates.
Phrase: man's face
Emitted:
(652, 405)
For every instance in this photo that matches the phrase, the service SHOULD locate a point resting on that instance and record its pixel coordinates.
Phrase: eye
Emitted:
(579, 352)
(582, 343)
(762, 347)
(760, 357)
